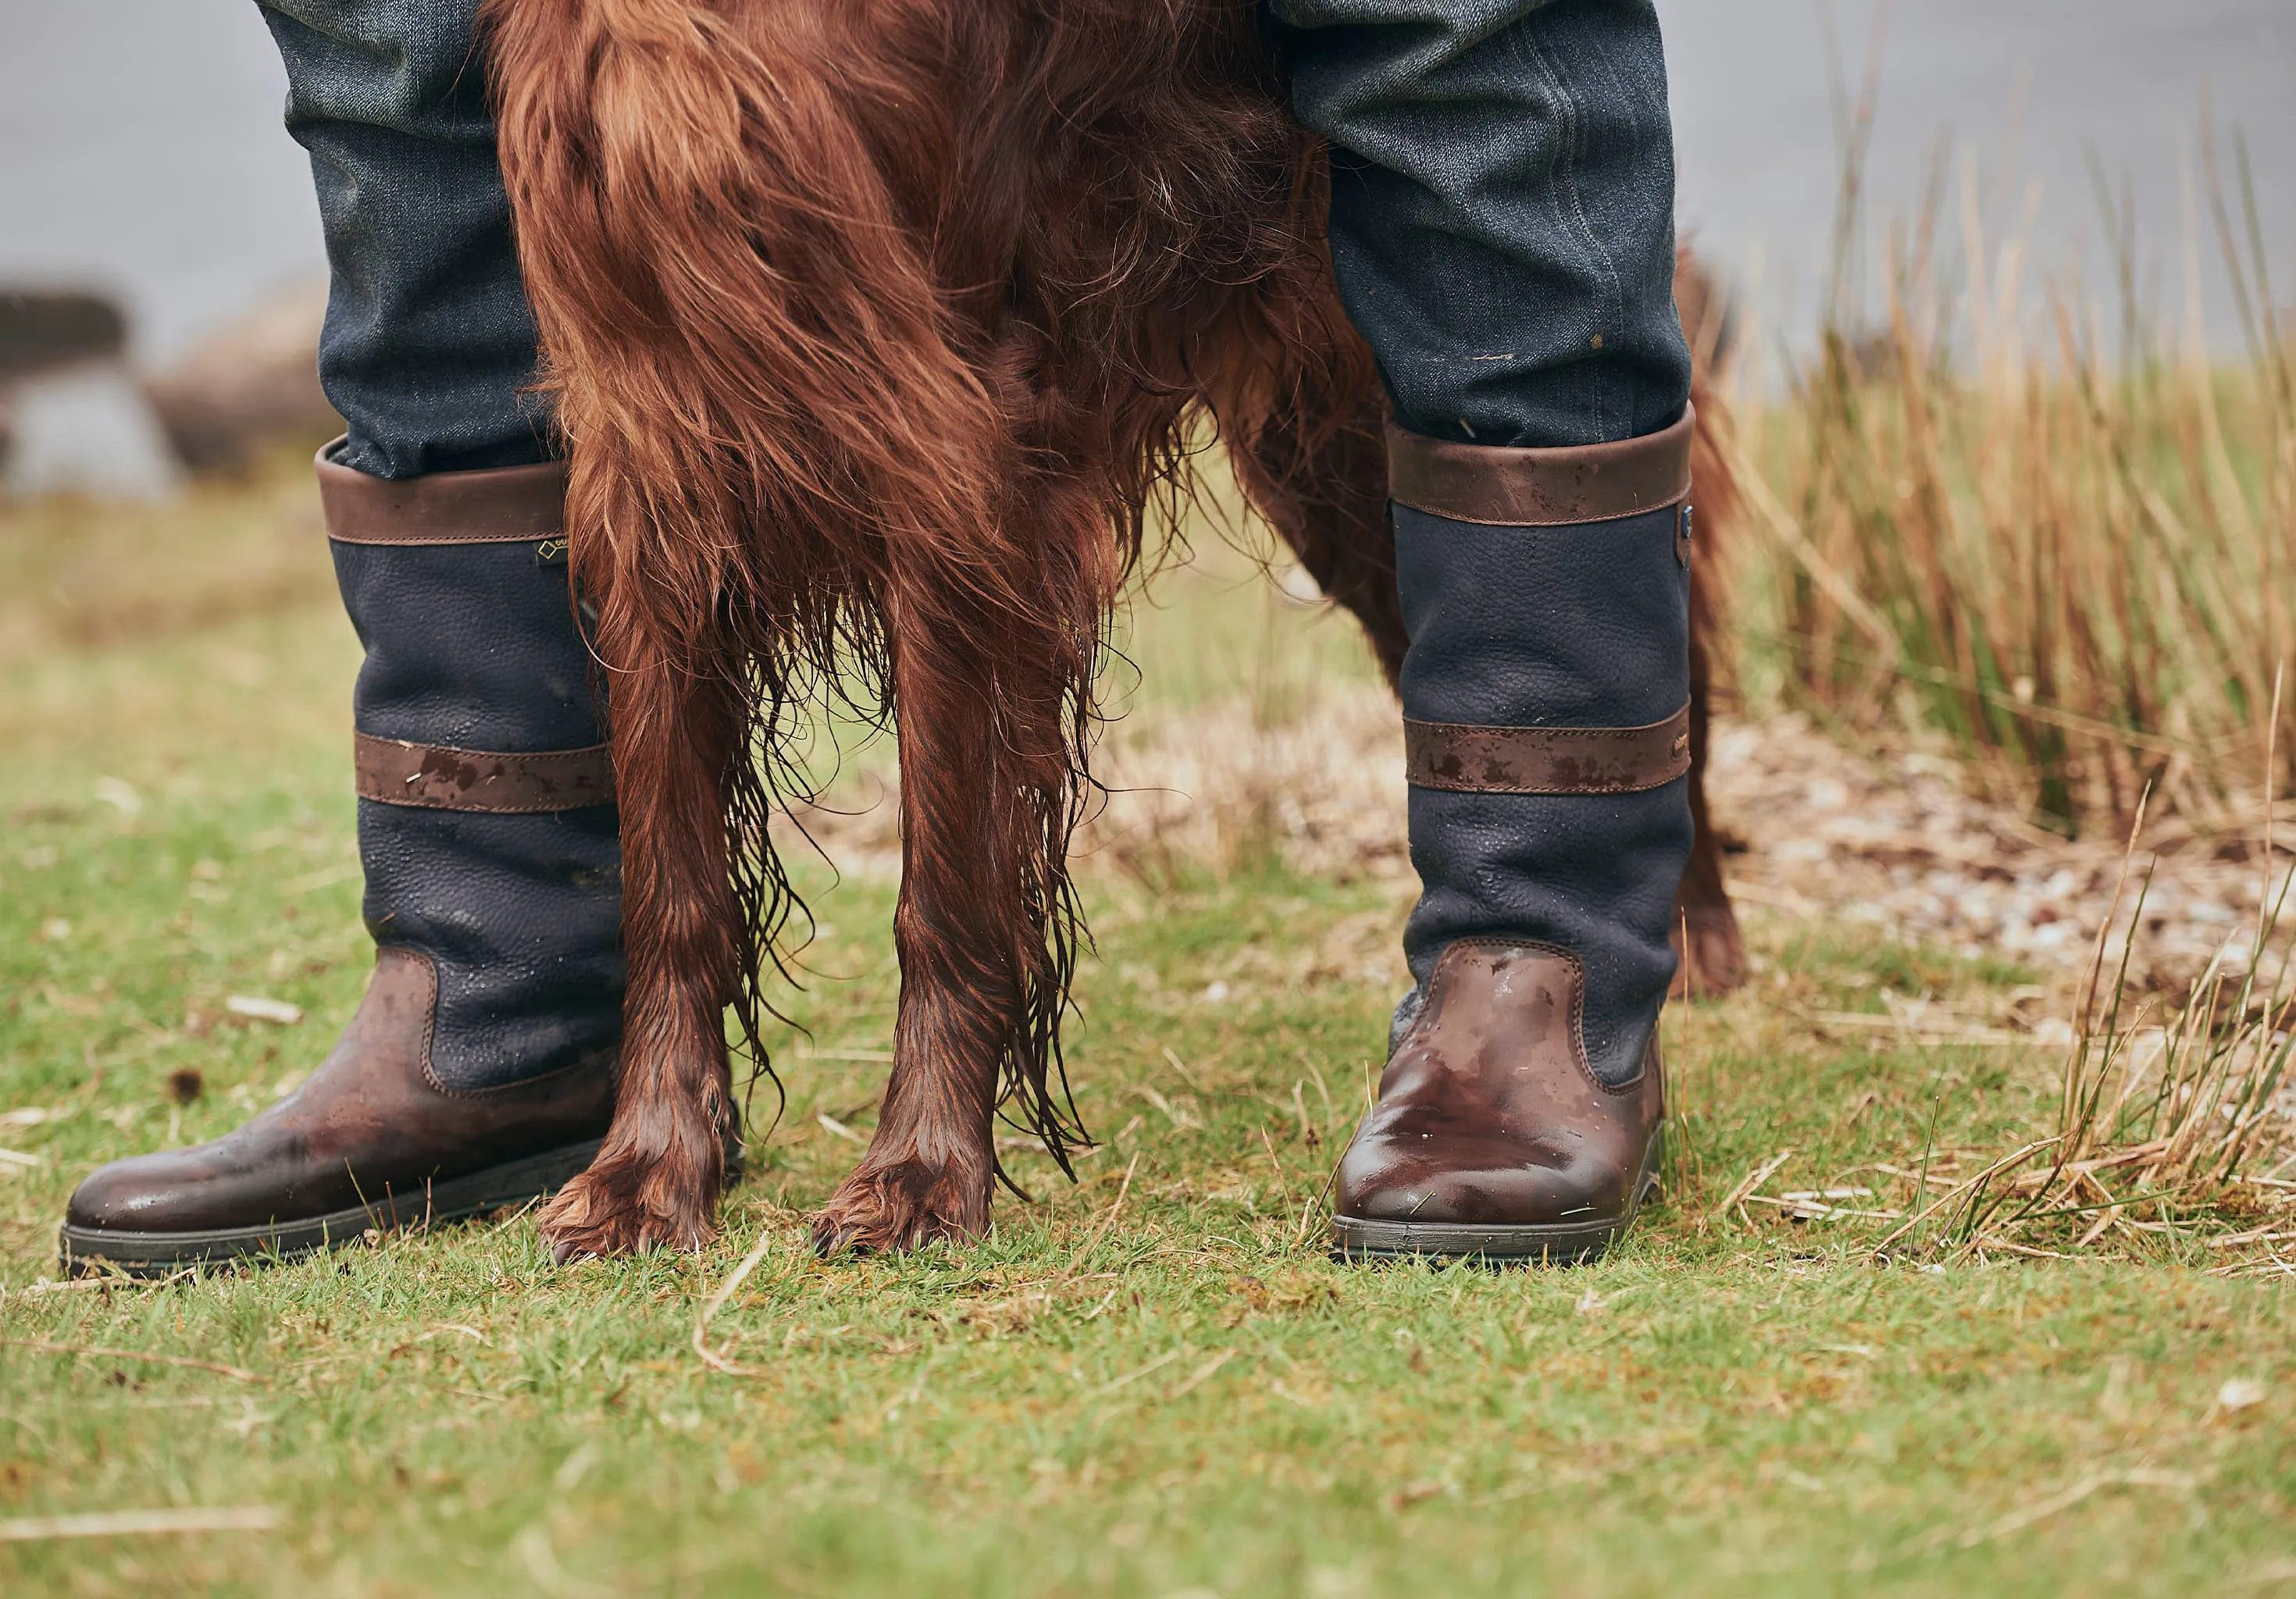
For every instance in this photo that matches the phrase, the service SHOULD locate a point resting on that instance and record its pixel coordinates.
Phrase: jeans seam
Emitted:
(1562, 178)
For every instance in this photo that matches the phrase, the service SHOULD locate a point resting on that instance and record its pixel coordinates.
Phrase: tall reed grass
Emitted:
(2034, 522)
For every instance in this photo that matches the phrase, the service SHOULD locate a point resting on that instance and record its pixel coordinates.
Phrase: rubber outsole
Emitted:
(84, 1250)
(1521, 1243)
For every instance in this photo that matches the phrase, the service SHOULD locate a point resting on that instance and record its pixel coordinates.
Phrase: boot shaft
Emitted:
(1546, 594)
(487, 827)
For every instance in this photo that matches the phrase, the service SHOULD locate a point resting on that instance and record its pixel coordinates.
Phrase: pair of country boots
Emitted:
(1544, 695)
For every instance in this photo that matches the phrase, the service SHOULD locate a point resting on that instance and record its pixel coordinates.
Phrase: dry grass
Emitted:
(2065, 546)
(2174, 1126)
(2174, 1133)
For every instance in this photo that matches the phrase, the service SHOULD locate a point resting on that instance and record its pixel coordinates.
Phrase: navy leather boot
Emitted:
(1548, 744)
(479, 1071)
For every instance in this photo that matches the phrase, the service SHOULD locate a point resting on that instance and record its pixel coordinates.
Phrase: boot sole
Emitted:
(83, 1250)
(1520, 1243)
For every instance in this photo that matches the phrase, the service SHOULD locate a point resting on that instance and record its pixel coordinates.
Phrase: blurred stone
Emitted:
(46, 330)
(41, 330)
(86, 429)
(253, 383)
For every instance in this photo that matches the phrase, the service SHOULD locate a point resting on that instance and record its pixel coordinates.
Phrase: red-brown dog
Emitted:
(875, 331)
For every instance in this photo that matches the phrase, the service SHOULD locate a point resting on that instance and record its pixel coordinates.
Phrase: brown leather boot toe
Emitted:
(1492, 1138)
(372, 1141)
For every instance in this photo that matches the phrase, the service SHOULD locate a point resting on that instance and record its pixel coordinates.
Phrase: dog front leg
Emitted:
(1706, 937)
(656, 1180)
(983, 768)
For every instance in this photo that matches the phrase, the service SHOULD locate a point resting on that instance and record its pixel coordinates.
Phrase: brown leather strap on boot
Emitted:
(506, 505)
(511, 504)
(1467, 759)
(439, 777)
(1541, 488)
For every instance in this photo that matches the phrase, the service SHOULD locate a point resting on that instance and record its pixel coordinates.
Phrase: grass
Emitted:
(1151, 1383)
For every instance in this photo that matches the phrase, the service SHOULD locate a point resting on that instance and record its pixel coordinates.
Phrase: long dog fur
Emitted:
(876, 330)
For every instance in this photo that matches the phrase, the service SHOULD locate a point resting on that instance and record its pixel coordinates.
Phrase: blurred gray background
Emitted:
(141, 150)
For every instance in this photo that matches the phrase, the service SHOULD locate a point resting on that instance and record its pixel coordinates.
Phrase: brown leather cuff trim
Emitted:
(1539, 488)
(1546, 760)
(509, 505)
(435, 777)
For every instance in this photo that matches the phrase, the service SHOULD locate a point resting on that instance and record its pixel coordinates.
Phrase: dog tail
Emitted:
(1708, 326)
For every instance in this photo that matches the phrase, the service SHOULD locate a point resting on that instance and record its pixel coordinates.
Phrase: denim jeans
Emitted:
(1502, 227)
(1502, 219)
(1502, 209)
(428, 345)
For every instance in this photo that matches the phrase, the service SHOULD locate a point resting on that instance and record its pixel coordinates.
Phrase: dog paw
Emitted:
(900, 1208)
(607, 1211)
